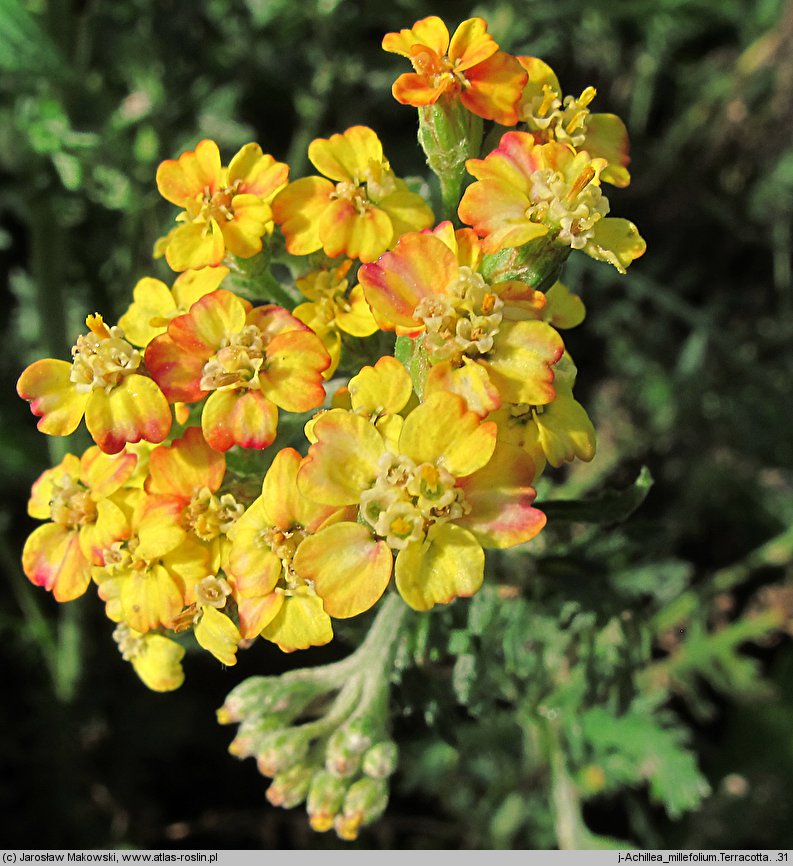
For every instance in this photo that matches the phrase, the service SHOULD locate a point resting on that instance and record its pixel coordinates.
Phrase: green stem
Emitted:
(775, 552)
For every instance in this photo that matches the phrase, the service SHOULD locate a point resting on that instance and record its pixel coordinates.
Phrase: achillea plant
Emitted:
(415, 482)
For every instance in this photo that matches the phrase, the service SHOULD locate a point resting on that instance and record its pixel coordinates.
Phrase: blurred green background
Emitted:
(686, 366)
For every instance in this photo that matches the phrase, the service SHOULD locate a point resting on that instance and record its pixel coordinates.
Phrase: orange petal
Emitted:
(292, 373)
(134, 410)
(185, 466)
(501, 497)
(176, 371)
(257, 613)
(345, 231)
(52, 558)
(421, 265)
(246, 418)
(495, 87)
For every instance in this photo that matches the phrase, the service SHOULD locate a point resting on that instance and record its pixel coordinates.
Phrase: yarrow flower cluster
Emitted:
(195, 512)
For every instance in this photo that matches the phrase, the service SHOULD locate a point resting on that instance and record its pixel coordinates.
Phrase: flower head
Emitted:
(526, 191)
(483, 341)
(550, 116)
(273, 597)
(248, 362)
(225, 208)
(332, 310)
(76, 498)
(435, 500)
(359, 212)
(105, 382)
(468, 66)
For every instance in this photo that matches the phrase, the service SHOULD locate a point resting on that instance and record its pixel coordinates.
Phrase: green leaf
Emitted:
(636, 747)
(612, 506)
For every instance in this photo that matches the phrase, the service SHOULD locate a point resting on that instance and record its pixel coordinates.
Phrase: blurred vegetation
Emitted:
(622, 682)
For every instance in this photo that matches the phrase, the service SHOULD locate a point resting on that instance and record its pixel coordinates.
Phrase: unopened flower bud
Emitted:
(251, 734)
(244, 700)
(289, 789)
(365, 802)
(325, 799)
(340, 759)
(449, 135)
(537, 263)
(280, 750)
(381, 760)
(360, 733)
(257, 696)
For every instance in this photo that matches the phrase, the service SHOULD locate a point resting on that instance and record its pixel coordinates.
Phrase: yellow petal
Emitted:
(343, 461)
(449, 564)
(350, 570)
(217, 634)
(52, 396)
(135, 409)
(382, 389)
(616, 241)
(153, 301)
(442, 430)
(300, 623)
(150, 597)
(159, 663)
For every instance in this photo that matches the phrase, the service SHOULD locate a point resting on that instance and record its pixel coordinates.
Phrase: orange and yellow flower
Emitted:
(104, 383)
(225, 208)
(248, 362)
(468, 66)
(147, 581)
(484, 341)
(273, 598)
(551, 117)
(526, 191)
(360, 212)
(76, 498)
(183, 486)
(331, 309)
(437, 499)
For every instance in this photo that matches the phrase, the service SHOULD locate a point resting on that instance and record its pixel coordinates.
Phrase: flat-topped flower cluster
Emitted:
(415, 464)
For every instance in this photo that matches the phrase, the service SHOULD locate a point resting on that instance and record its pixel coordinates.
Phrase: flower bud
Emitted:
(360, 733)
(340, 759)
(289, 788)
(325, 799)
(280, 750)
(365, 802)
(449, 134)
(251, 734)
(244, 700)
(381, 760)
(537, 263)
